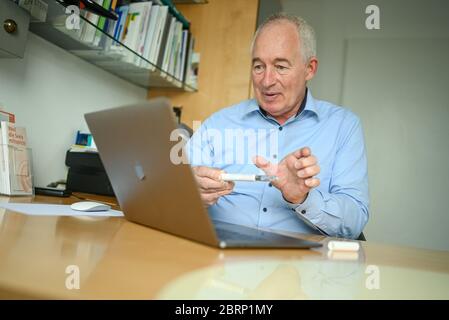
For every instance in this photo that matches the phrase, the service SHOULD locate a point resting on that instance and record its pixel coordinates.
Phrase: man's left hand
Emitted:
(296, 174)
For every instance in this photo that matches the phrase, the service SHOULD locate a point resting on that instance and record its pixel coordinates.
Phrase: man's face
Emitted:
(279, 73)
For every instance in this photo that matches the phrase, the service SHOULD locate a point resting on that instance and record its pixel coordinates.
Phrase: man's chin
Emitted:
(272, 108)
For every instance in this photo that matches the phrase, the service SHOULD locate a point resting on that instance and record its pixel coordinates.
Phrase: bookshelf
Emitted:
(108, 54)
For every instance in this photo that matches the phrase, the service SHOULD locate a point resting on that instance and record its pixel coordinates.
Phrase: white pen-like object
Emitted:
(246, 177)
(350, 246)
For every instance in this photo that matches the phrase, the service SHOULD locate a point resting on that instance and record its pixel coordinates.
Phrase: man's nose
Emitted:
(269, 77)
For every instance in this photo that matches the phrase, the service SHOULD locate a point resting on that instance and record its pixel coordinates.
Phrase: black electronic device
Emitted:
(87, 174)
(54, 192)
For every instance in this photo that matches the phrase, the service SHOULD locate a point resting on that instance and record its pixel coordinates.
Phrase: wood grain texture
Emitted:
(223, 30)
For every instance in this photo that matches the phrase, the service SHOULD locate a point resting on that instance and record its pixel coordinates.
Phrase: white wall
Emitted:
(266, 8)
(49, 90)
(396, 80)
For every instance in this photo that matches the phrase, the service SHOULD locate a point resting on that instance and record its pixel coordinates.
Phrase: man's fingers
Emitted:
(312, 182)
(305, 162)
(261, 162)
(303, 152)
(265, 165)
(208, 172)
(309, 171)
(210, 184)
(209, 199)
(209, 179)
(306, 152)
(207, 183)
(225, 186)
(212, 198)
(291, 161)
(230, 185)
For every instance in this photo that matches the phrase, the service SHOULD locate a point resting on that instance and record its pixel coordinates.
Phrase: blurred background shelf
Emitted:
(110, 54)
(190, 1)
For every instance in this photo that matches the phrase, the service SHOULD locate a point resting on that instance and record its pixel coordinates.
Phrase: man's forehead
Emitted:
(279, 28)
(276, 52)
(276, 40)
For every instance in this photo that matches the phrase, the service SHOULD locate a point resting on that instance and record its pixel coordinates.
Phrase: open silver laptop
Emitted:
(134, 146)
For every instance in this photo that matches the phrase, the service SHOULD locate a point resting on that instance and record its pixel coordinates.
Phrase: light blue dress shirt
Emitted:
(337, 207)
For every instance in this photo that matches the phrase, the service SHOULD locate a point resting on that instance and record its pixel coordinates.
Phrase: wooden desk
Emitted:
(118, 259)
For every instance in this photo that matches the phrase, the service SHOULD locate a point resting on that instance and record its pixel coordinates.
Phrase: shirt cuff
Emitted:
(310, 210)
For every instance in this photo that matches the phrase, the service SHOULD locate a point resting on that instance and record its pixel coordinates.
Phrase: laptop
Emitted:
(134, 145)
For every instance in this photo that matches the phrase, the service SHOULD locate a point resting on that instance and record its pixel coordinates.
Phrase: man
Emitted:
(316, 151)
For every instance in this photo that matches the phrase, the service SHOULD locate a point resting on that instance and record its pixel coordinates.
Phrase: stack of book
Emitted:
(155, 31)
(84, 142)
(15, 161)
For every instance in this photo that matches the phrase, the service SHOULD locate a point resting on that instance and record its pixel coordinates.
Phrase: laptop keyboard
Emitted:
(242, 236)
(226, 234)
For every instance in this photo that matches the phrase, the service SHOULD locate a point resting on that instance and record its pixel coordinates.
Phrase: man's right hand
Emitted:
(210, 184)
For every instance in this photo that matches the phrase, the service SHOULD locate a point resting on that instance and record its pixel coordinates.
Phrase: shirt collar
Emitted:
(310, 106)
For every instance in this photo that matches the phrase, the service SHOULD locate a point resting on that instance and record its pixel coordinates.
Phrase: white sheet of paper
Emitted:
(39, 209)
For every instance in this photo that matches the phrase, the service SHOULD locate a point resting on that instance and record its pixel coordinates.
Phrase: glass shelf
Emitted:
(109, 54)
(190, 1)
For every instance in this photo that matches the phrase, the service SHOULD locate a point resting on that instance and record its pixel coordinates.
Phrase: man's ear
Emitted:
(311, 68)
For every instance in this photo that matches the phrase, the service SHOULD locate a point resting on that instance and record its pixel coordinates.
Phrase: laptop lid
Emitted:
(134, 145)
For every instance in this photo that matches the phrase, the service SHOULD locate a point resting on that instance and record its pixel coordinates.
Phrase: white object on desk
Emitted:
(39, 209)
(90, 206)
(335, 245)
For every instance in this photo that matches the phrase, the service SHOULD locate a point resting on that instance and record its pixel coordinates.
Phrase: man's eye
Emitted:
(282, 69)
(258, 68)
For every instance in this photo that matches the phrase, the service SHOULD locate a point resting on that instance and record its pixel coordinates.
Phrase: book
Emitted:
(182, 64)
(81, 148)
(143, 30)
(163, 26)
(15, 175)
(120, 25)
(174, 11)
(89, 31)
(164, 62)
(177, 53)
(112, 45)
(113, 4)
(171, 48)
(7, 116)
(154, 18)
(188, 69)
(135, 19)
(101, 24)
(107, 40)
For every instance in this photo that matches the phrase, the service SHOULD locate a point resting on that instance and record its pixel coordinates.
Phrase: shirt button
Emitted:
(303, 211)
(280, 128)
(264, 209)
